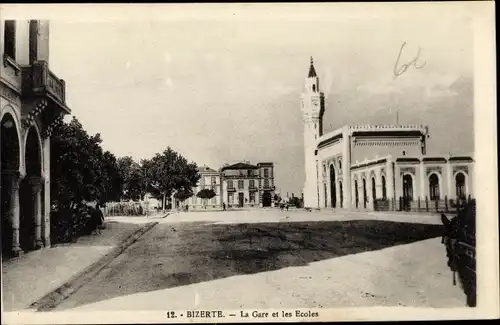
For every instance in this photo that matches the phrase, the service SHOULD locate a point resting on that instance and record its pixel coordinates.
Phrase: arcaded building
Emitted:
(375, 166)
(32, 103)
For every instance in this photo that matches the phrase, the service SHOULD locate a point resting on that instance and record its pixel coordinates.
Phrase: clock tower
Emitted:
(313, 107)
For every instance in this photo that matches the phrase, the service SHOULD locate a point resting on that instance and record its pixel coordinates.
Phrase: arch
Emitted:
(341, 194)
(33, 152)
(10, 166)
(434, 186)
(460, 184)
(374, 190)
(9, 112)
(356, 193)
(408, 185)
(364, 192)
(333, 194)
(384, 188)
(30, 191)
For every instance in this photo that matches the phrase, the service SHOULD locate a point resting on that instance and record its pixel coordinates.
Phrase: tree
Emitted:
(206, 194)
(170, 172)
(134, 180)
(183, 195)
(80, 172)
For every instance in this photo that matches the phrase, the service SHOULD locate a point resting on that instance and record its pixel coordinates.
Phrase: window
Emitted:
(340, 165)
(230, 184)
(9, 34)
(460, 185)
(241, 184)
(250, 172)
(251, 184)
(230, 198)
(214, 180)
(434, 187)
(266, 173)
(266, 183)
(314, 88)
(252, 197)
(202, 181)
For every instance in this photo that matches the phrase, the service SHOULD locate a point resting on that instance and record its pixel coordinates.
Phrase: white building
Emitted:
(374, 166)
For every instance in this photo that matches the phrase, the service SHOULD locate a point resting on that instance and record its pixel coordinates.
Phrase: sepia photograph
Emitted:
(247, 162)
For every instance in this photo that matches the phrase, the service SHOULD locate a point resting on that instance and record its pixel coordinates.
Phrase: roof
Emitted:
(312, 71)
(239, 166)
(206, 169)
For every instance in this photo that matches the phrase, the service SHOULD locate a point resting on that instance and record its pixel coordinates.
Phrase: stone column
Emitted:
(46, 192)
(422, 188)
(389, 178)
(14, 210)
(346, 168)
(36, 190)
(451, 193)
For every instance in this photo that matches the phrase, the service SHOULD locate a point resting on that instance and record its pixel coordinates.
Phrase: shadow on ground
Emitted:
(182, 254)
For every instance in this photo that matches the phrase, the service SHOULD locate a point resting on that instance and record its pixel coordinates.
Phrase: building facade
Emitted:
(367, 166)
(209, 179)
(247, 185)
(32, 103)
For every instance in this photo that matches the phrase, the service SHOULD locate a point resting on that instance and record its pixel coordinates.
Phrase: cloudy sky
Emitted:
(225, 86)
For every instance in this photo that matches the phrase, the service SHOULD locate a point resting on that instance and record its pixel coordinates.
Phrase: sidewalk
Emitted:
(31, 276)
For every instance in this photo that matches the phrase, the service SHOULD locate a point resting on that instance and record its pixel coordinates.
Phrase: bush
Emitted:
(82, 221)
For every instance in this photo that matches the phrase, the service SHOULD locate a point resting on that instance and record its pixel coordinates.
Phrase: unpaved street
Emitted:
(183, 263)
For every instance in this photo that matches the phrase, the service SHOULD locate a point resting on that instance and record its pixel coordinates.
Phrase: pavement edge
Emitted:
(54, 298)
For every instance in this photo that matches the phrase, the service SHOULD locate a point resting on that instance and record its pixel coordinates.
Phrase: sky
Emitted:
(225, 88)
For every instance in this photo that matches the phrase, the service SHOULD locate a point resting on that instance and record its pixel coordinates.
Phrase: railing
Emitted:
(39, 79)
(418, 205)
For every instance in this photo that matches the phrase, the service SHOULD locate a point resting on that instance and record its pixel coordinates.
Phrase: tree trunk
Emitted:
(164, 203)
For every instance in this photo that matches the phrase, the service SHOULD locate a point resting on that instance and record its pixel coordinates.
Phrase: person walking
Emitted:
(223, 206)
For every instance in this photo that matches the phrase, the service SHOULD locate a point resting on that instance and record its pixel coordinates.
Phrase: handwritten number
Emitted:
(400, 69)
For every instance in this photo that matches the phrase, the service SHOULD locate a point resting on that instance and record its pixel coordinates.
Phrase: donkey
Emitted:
(460, 242)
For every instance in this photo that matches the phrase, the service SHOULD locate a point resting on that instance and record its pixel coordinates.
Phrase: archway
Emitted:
(460, 185)
(341, 195)
(30, 196)
(374, 190)
(384, 189)
(333, 194)
(364, 193)
(407, 191)
(10, 173)
(434, 187)
(266, 199)
(356, 194)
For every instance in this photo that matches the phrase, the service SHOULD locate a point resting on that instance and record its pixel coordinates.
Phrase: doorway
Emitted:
(407, 192)
(241, 198)
(333, 194)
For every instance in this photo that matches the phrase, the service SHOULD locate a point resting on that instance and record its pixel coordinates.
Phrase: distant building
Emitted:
(32, 104)
(247, 185)
(354, 167)
(210, 179)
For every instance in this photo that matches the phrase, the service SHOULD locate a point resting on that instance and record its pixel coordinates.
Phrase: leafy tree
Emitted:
(183, 195)
(80, 172)
(134, 180)
(170, 172)
(206, 194)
